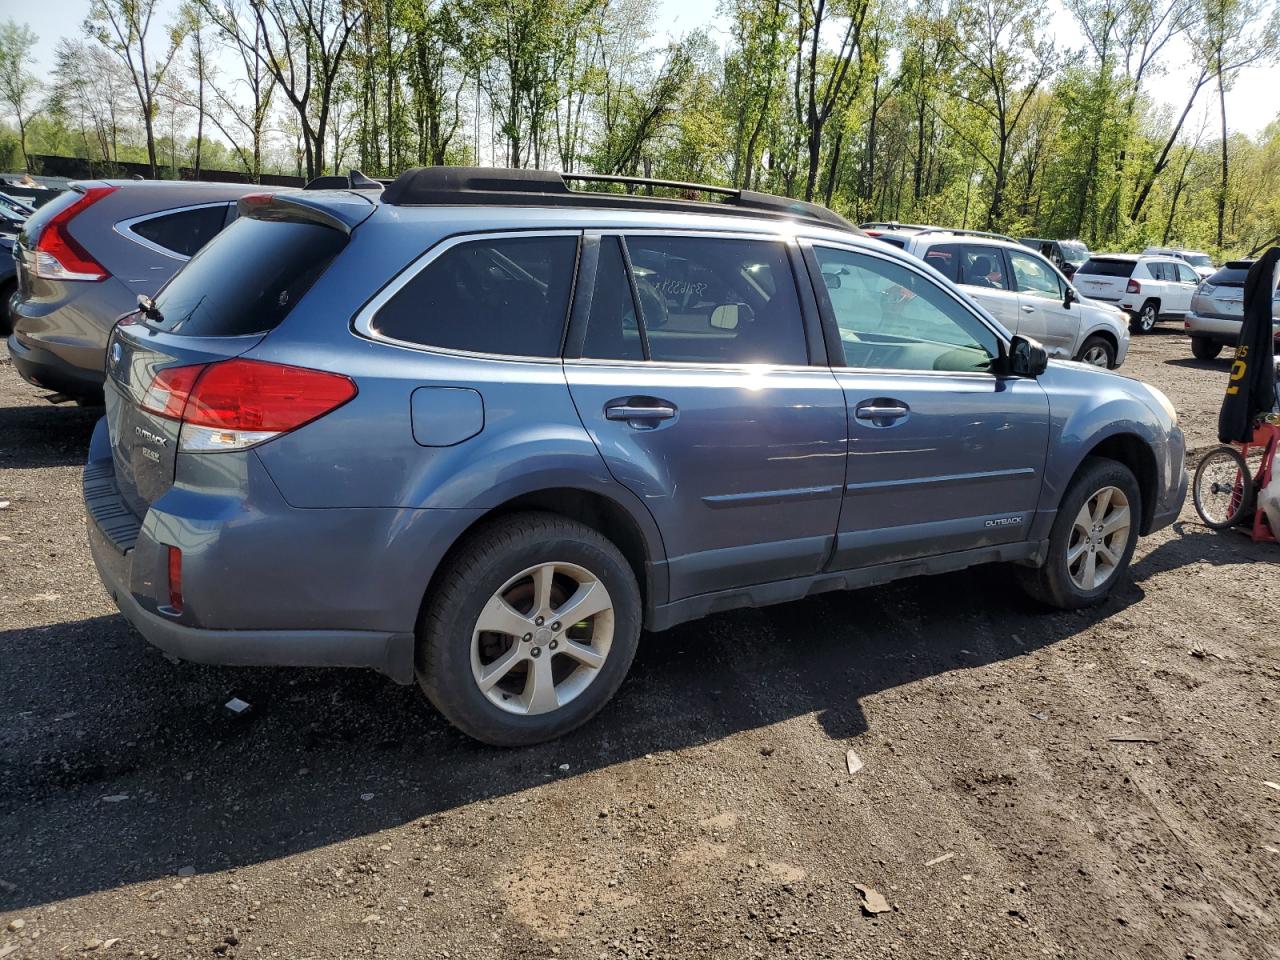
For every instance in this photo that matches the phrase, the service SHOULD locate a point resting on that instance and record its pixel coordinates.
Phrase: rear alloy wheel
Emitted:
(1098, 352)
(1202, 348)
(1145, 320)
(530, 629)
(1092, 538)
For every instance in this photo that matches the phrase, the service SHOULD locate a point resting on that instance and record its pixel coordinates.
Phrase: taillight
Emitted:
(175, 579)
(58, 255)
(235, 404)
(167, 395)
(1133, 286)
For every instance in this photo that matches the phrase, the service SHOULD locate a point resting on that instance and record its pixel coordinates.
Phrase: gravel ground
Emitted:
(1091, 784)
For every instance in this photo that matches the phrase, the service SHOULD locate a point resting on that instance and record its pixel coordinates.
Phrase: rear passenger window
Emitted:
(969, 263)
(506, 295)
(185, 231)
(713, 300)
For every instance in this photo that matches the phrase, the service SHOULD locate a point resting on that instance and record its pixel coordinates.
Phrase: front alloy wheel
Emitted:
(542, 638)
(1099, 537)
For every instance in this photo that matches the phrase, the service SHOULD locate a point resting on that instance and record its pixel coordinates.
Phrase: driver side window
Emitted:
(890, 317)
(1035, 277)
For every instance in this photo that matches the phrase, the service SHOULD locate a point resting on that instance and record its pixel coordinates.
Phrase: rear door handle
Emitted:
(1027, 308)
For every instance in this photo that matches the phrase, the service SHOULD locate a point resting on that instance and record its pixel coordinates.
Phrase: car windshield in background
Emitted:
(247, 280)
(1074, 251)
(1108, 268)
(1198, 260)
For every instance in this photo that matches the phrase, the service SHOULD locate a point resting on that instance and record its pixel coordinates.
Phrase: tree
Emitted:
(302, 44)
(1233, 35)
(19, 87)
(124, 27)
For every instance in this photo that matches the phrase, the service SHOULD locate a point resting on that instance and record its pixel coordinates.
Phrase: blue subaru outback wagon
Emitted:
(484, 428)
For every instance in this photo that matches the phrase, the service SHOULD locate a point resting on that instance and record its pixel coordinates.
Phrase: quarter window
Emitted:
(1034, 276)
(701, 300)
(504, 295)
(183, 232)
(893, 318)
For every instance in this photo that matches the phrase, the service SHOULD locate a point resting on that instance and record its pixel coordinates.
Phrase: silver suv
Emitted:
(85, 256)
(1027, 293)
(1217, 310)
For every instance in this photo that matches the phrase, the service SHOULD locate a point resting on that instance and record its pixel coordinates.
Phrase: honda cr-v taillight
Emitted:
(57, 254)
(1133, 286)
(236, 404)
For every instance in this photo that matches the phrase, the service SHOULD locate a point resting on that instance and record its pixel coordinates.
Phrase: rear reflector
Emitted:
(175, 579)
(1133, 286)
(235, 404)
(58, 255)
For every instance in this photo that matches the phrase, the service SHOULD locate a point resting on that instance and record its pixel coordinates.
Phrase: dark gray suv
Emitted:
(83, 259)
(485, 428)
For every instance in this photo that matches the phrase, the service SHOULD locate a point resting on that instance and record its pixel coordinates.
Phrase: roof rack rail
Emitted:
(498, 185)
(892, 225)
(969, 233)
(355, 180)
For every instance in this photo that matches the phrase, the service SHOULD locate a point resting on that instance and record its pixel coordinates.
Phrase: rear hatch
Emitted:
(1104, 278)
(1222, 295)
(230, 296)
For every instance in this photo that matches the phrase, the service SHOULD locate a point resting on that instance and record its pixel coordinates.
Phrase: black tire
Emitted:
(1096, 343)
(1052, 584)
(1206, 487)
(1144, 321)
(474, 574)
(1202, 348)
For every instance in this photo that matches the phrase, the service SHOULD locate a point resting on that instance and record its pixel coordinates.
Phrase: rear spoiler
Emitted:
(342, 212)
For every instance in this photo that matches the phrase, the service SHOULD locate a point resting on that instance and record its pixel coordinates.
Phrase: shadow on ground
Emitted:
(90, 712)
(43, 434)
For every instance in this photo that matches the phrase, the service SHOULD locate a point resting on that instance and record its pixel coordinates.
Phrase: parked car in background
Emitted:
(12, 217)
(1147, 288)
(1027, 294)
(543, 418)
(894, 234)
(1200, 262)
(84, 258)
(1217, 310)
(1066, 255)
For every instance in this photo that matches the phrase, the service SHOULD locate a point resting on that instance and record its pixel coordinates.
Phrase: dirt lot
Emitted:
(1060, 785)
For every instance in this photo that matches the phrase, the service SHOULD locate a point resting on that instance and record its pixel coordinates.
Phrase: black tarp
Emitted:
(1251, 390)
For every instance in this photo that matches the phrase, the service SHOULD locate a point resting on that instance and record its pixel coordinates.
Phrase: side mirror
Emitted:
(1027, 358)
(725, 317)
(1071, 297)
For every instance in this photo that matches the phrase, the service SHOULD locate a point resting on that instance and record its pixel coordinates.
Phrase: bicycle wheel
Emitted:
(1223, 489)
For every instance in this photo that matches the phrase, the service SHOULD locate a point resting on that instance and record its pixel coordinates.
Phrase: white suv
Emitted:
(1199, 262)
(1147, 288)
(1027, 294)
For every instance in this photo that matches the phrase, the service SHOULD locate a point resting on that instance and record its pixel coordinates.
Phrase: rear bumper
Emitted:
(266, 584)
(41, 368)
(1218, 329)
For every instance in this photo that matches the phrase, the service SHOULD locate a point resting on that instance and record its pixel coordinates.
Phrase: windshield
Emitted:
(1198, 260)
(1074, 251)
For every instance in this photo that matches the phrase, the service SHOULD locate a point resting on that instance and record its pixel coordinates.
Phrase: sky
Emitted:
(1251, 104)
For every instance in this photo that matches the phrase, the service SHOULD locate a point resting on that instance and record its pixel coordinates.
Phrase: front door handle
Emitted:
(1027, 308)
(881, 412)
(640, 412)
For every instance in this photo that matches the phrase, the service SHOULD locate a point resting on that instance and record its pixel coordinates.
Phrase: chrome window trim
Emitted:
(1003, 337)
(125, 227)
(362, 323)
